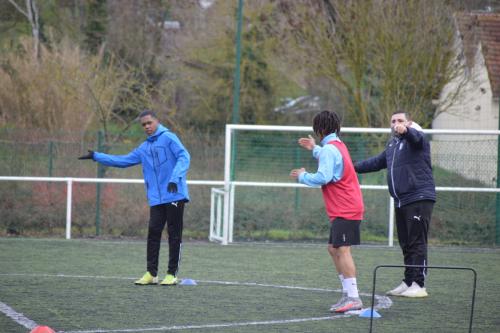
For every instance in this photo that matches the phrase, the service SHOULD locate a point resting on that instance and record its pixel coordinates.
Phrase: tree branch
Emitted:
(19, 8)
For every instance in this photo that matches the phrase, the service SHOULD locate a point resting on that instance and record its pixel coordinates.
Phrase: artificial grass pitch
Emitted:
(87, 285)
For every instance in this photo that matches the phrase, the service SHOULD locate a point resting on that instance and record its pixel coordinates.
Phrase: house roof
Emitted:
(482, 28)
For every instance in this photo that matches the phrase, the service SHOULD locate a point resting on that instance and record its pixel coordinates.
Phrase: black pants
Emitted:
(172, 214)
(412, 223)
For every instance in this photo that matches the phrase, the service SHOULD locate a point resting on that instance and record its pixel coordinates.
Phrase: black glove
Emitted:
(89, 156)
(172, 188)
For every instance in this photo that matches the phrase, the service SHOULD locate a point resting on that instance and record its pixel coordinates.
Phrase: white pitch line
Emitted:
(384, 302)
(17, 317)
(202, 281)
(221, 325)
(267, 285)
(68, 276)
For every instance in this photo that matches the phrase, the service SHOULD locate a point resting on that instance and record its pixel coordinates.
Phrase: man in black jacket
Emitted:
(407, 157)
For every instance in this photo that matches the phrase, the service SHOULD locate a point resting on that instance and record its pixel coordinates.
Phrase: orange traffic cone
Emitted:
(42, 329)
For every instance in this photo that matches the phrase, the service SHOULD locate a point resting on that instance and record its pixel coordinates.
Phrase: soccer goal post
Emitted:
(261, 202)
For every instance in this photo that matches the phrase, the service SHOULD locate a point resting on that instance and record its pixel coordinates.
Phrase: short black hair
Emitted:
(407, 115)
(148, 112)
(325, 123)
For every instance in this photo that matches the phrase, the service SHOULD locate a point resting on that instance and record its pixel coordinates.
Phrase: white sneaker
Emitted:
(414, 291)
(398, 290)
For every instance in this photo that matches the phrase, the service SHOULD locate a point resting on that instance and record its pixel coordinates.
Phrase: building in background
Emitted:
(478, 38)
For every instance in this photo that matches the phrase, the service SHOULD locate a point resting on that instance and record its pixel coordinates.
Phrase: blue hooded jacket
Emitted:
(409, 171)
(164, 160)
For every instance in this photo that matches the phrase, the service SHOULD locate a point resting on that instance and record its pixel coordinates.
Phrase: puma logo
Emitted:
(175, 203)
(417, 217)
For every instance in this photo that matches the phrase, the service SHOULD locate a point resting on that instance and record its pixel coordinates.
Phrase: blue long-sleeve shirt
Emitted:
(330, 164)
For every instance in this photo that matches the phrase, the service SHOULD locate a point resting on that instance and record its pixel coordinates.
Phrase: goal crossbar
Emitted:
(230, 184)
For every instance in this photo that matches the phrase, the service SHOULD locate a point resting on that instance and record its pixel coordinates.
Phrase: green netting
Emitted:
(458, 161)
(469, 161)
(39, 208)
(264, 213)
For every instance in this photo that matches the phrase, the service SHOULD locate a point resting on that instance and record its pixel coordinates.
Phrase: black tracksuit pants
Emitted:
(412, 223)
(171, 214)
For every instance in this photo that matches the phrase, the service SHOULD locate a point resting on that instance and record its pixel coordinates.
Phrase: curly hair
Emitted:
(325, 123)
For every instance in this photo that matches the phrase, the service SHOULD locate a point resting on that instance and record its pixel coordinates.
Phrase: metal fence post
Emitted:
(236, 92)
(391, 222)
(297, 193)
(227, 183)
(51, 150)
(69, 198)
(497, 224)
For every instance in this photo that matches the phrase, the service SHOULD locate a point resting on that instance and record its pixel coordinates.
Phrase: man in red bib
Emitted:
(343, 201)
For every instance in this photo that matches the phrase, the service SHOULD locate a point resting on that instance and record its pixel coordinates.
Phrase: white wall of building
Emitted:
(473, 157)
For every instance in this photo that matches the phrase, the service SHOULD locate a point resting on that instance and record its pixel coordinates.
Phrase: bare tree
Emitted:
(112, 88)
(379, 55)
(71, 90)
(31, 13)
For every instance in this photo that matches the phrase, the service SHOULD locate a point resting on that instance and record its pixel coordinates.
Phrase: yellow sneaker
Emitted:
(147, 279)
(169, 280)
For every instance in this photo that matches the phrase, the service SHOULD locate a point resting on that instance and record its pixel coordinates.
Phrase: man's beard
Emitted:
(394, 133)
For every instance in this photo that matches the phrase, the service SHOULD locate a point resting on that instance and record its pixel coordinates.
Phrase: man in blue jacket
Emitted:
(165, 163)
(407, 157)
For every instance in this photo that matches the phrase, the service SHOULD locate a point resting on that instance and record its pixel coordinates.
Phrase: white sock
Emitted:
(341, 278)
(351, 286)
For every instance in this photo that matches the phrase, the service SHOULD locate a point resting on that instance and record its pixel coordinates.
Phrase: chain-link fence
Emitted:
(463, 217)
(115, 210)
(120, 210)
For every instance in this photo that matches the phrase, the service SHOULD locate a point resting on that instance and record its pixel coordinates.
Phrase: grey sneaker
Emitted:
(350, 304)
(339, 303)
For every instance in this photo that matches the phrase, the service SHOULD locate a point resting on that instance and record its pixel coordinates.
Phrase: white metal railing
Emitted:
(70, 180)
(229, 185)
(221, 229)
(222, 215)
(390, 228)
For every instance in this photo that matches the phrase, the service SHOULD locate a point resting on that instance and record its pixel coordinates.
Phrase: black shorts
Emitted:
(344, 232)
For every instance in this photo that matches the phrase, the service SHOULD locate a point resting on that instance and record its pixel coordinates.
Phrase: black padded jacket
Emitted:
(409, 171)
